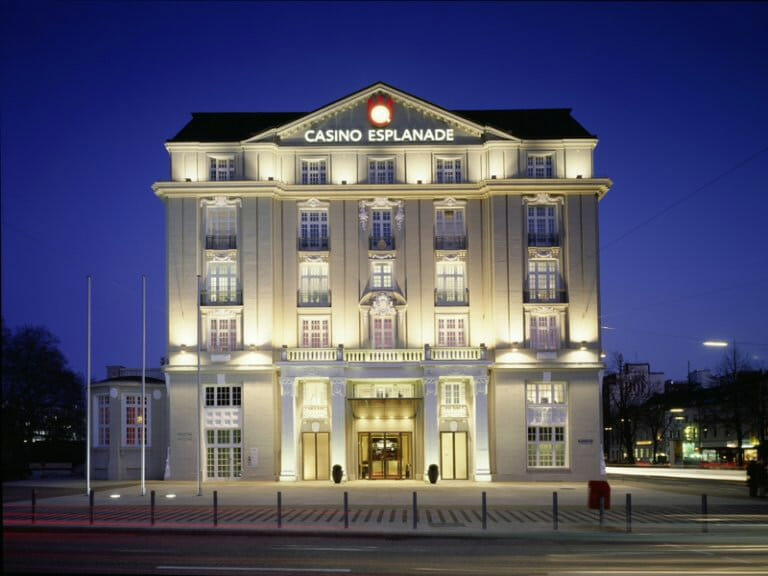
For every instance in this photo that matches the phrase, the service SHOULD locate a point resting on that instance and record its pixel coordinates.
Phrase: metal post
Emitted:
(415, 511)
(279, 509)
(152, 508)
(90, 507)
(485, 513)
(346, 510)
(554, 510)
(34, 503)
(704, 523)
(199, 409)
(143, 385)
(629, 512)
(88, 394)
(215, 507)
(602, 509)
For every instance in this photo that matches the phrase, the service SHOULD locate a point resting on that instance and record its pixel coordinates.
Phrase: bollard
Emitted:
(415, 511)
(554, 510)
(602, 509)
(485, 513)
(704, 526)
(34, 503)
(629, 512)
(346, 510)
(279, 509)
(90, 507)
(215, 507)
(152, 508)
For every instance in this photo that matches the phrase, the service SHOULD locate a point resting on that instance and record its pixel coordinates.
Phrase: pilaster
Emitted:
(482, 449)
(288, 430)
(338, 423)
(431, 439)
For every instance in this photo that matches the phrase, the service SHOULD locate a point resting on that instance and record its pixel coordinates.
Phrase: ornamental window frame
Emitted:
(223, 332)
(313, 335)
(540, 164)
(314, 225)
(451, 281)
(452, 330)
(544, 331)
(222, 278)
(314, 282)
(547, 422)
(130, 425)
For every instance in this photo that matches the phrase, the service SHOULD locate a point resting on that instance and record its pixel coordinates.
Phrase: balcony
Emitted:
(310, 299)
(221, 297)
(535, 239)
(451, 242)
(217, 242)
(453, 411)
(385, 355)
(456, 297)
(381, 243)
(546, 296)
(313, 243)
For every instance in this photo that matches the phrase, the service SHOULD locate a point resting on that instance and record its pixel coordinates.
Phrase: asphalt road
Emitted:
(137, 553)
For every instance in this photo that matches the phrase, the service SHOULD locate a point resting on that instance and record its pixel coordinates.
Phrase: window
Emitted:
(450, 284)
(449, 229)
(543, 281)
(544, 332)
(223, 396)
(542, 226)
(381, 171)
(381, 274)
(383, 331)
(102, 420)
(313, 284)
(132, 420)
(381, 230)
(546, 412)
(448, 171)
(313, 172)
(453, 393)
(314, 332)
(221, 282)
(224, 453)
(539, 165)
(220, 227)
(222, 334)
(451, 331)
(313, 230)
(222, 168)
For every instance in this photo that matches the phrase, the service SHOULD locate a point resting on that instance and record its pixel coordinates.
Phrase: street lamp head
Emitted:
(715, 343)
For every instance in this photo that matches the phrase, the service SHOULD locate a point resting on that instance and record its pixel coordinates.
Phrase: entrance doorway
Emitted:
(384, 455)
(316, 455)
(453, 456)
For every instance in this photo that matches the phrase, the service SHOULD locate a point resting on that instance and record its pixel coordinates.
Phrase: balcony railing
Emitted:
(313, 243)
(453, 411)
(314, 411)
(313, 298)
(217, 242)
(546, 296)
(385, 355)
(458, 354)
(382, 243)
(535, 239)
(221, 297)
(451, 242)
(451, 297)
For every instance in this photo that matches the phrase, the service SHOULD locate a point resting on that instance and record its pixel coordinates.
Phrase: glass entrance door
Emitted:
(384, 455)
(453, 452)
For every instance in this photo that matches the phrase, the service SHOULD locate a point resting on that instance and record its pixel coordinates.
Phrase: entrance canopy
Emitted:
(384, 408)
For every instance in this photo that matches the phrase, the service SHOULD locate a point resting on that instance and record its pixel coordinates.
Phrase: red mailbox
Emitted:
(598, 488)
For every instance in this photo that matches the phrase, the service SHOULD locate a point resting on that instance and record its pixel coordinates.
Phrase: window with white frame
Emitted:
(382, 274)
(222, 168)
(314, 331)
(313, 229)
(450, 233)
(450, 283)
(315, 393)
(543, 280)
(540, 165)
(313, 172)
(222, 334)
(547, 420)
(383, 331)
(224, 453)
(453, 392)
(132, 420)
(542, 225)
(381, 171)
(544, 332)
(221, 281)
(448, 170)
(451, 331)
(102, 420)
(381, 230)
(313, 284)
(223, 395)
(221, 227)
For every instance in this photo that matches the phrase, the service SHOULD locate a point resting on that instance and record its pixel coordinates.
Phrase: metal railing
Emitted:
(221, 297)
(451, 242)
(381, 243)
(217, 242)
(456, 297)
(313, 243)
(310, 298)
(535, 239)
(546, 295)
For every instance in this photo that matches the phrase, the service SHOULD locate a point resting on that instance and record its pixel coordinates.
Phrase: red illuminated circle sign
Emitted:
(379, 111)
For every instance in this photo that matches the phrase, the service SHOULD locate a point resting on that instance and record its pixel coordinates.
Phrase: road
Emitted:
(137, 553)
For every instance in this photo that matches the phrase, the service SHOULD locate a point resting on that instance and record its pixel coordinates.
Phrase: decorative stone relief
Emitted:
(481, 385)
(541, 252)
(382, 305)
(220, 201)
(543, 198)
(287, 386)
(337, 386)
(430, 386)
(381, 203)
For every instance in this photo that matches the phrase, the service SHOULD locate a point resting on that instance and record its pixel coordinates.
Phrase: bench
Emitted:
(41, 470)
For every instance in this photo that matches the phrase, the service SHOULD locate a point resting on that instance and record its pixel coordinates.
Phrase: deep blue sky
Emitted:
(677, 94)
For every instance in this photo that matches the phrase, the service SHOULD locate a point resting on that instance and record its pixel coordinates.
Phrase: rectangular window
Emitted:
(221, 283)
(222, 168)
(381, 171)
(381, 230)
(381, 274)
(539, 165)
(448, 171)
(544, 332)
(313, 172)
(542, 226)
(102, 420)
(313, 284)
(453, 393)
(315, 332)
(383, 331)
(224, 453)
(132, 420)
(451, 331)
(313, 230)
(221, 227)
(222, 334)
(450, 285)
(543, 281)
(546, 410)
(222, 396)
(449, 229)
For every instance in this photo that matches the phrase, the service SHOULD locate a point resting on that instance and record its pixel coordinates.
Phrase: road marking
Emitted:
(255, 569)
(712, 572)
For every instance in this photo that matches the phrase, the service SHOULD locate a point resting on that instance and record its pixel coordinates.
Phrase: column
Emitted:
(338, 423)
(288, 430)
(431, 439)
(482, 450)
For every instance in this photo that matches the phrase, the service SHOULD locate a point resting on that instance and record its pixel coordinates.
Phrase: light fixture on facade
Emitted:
(183, 348)
(344, 182)
(188, 179)
(578, 175)
(583, 345)
(493, 176)
(419, 182)
(270, 178)
(515, 346)
(114, 496)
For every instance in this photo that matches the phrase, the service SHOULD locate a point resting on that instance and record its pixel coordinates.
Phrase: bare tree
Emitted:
(655, 417)
(629, 391)
(735, 406)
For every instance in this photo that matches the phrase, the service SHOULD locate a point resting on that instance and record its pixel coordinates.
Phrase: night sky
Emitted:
(677, 94)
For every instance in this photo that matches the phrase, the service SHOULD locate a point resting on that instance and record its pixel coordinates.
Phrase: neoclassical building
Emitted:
(383, 284)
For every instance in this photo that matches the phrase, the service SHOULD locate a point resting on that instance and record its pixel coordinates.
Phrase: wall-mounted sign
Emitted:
(585, 440)
(380, 111)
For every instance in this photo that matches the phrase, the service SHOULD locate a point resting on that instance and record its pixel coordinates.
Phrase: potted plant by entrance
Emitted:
(336, 473)
(432, 473)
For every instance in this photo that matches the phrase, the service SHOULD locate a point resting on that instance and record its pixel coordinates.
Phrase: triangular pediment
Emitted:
(402, 119)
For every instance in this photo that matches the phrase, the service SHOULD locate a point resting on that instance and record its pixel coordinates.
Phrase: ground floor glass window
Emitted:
(224, 453)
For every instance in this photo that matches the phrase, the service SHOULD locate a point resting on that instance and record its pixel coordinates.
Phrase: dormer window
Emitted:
(313, 172)
(448, 170)
(222, 168)
(540, 165)
(381, 171)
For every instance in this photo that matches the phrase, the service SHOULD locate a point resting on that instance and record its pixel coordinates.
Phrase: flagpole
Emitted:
(88, 395)
(143, 383)
(199, 415)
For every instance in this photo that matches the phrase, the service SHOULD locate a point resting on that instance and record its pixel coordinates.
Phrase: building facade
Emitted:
(383, 284)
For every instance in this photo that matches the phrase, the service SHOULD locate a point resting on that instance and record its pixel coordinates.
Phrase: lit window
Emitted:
(453, 393)
(381, 230)
(221, 282)
(546, 411)
(383, 328)
(450, 285)
(224, 453)
(132, 423)
(449, 229)
(314, 332)
(381, 171)
(381, 274)
(313, 230)
(539, 165)
(544, 332)
(222, 334)
(313, 284)
(221, 227)
(313, 172)
(102, 420)
(543, 280)
(222, 168)
(451, 331)
(448, 171)
(542, 225)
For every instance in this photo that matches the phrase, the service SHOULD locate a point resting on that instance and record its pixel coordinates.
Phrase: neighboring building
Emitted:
(384, 285)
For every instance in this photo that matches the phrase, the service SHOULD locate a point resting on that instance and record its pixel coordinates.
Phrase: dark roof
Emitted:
(147, 379)
(536, 124)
